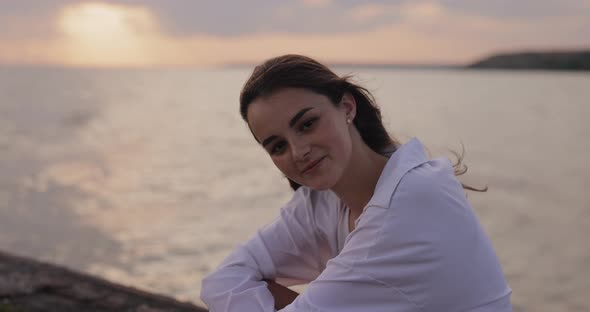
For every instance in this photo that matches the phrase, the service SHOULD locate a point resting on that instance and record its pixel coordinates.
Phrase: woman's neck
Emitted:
(357, 185)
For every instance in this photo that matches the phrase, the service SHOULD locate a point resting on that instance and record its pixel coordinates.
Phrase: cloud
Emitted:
(183, 18)
(422, 11)
(153, 33)
(237, 18)
(369, 12)
(317, 3)
(508, 9)
(26, 20)
(388, 13)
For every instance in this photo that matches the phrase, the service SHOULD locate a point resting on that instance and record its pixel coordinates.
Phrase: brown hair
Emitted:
(297, 71)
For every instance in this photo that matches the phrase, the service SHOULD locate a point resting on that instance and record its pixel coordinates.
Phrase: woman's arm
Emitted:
(287, 248)
(283, 296)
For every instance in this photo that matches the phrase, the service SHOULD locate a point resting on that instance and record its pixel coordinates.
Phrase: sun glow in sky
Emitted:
(185, 33)
(106, 34)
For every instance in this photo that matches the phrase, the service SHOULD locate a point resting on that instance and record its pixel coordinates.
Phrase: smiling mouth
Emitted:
(313, 165)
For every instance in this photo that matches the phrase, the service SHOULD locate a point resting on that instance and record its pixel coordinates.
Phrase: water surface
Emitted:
(149, 177)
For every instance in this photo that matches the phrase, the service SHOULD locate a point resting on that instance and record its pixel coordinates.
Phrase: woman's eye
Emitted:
(308, 124)
(277, 148)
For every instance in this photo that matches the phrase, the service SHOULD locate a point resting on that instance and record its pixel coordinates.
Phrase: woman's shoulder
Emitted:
(424, 196)
(430, 186)
(428, 176)
(430, 203)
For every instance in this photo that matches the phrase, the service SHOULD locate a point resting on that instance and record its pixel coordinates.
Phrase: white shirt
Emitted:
(417, 246)
(342, 228)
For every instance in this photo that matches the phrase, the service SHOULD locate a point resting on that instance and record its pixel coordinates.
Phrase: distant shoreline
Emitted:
(533, 60)
(556, 60)
(529, 60)
(575, 60)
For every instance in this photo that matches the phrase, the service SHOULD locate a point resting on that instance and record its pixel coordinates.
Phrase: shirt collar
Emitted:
(407, 157)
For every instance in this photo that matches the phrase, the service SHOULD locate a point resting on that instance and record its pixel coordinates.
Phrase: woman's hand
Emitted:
(283, 295)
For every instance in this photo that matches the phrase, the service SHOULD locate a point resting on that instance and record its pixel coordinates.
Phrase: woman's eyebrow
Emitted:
(298, 116)
(268, 140)
(292, 123)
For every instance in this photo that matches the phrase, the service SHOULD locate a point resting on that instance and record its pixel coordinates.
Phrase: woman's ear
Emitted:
(348, 104)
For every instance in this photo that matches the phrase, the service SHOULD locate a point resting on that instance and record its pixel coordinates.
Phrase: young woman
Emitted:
(373, 225)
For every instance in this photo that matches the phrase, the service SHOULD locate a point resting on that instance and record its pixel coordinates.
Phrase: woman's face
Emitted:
(307, 137)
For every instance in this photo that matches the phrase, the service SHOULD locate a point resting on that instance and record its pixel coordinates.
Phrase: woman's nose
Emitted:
(301, 150)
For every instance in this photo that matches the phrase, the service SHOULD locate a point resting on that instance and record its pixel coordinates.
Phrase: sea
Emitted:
(149, 177)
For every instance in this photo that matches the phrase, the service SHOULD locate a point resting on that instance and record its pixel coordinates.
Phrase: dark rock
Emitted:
(29, 285)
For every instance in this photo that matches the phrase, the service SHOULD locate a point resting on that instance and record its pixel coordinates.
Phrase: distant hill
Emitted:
(574, 60)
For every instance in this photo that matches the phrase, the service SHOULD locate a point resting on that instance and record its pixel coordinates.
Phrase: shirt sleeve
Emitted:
(288, 248)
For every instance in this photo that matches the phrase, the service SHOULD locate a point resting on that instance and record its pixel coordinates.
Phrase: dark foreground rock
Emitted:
(573, 60)
(28, 285)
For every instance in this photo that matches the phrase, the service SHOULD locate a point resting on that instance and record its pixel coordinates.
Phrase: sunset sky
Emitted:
(132, 33)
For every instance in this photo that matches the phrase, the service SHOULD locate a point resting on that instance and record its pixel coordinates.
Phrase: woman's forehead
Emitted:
(284, 103)
(275, 111)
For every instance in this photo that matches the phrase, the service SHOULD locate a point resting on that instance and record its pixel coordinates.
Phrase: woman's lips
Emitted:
(313, 165)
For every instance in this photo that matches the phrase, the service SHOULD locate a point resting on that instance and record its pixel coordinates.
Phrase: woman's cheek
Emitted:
(281, 162)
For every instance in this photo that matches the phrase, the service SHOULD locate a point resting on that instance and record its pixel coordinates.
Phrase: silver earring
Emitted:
(348, 120)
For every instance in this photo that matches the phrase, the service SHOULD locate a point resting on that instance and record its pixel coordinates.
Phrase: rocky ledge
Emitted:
(29, 285)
